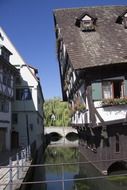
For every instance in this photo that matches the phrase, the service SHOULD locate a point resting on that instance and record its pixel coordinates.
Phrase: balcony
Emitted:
(110, 113)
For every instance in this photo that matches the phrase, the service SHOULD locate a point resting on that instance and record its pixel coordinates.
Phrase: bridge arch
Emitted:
(117, 166)
(63, 131)
(54, 136)
(72, 136)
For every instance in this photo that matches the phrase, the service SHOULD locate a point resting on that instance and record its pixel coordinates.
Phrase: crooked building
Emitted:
(92, 56)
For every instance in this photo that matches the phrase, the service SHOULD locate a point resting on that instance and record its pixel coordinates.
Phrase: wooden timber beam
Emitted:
(90, 103)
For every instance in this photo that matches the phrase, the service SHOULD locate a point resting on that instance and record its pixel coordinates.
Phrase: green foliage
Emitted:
(59, 109)
(115, 101)
(119, 179)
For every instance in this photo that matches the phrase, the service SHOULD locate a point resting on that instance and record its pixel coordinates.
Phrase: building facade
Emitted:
(27, 106)
(91, 50)
(7, 78)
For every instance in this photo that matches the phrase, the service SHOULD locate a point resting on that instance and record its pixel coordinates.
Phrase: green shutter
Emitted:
(125, 85)
(96, 91)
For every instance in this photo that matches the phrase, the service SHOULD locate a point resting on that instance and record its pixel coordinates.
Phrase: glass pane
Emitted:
(107, 90)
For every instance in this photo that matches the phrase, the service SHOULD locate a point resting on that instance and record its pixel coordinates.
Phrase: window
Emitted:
(23, 94)
(125, 21)
(1, 37)
(117, 86)
(6, 77)
(122, 19)
(107, 89)
(86, 22)
(5, 53)
(96, 91)
(117, 143)
(87, 25)
(14, 118)
(37, 120)
(4, 106)
(112, 89)
(18, 80)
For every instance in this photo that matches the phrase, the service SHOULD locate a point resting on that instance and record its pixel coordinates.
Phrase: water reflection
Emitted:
(62, 157)
(65, 170)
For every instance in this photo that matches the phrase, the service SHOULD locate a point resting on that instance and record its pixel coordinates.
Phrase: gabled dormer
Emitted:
(5, 53)
(86, 22)
(122, 19)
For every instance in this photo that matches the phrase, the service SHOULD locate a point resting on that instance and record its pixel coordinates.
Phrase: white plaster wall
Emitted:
(86, 17)
(30, 106)
(27, 77)
(113, 113)
(35, 129)
(28, 82)
(109, 113)
(15, 59)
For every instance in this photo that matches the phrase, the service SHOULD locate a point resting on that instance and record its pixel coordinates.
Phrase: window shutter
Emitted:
(96, 91)
(125, 85)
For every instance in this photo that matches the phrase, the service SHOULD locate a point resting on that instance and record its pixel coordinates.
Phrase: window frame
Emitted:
(117, 143)
(4, 106)
(112, 90)
(23, 94)
(14, 118)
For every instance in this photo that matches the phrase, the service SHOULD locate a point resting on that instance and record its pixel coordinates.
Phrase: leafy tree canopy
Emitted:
(56, 112)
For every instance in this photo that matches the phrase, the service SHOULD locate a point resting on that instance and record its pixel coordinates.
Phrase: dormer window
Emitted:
(5, 53)
(122, 19)
(1, 37)
(86, 22)
(125, 21)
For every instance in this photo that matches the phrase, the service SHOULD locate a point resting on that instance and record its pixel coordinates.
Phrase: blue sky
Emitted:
(29, 24)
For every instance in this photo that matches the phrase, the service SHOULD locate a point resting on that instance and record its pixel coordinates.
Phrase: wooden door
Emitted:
(2, 139)
(14, 139)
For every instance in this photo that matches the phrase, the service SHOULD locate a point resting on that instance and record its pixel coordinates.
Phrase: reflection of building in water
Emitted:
(92, 64)
(63, 141)
(91, 178)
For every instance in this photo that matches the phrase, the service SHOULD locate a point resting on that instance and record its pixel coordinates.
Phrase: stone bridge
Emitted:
(63, 131)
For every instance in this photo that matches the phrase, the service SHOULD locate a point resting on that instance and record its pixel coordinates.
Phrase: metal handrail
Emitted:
(19, 165)
(66, 180)
(12, 173)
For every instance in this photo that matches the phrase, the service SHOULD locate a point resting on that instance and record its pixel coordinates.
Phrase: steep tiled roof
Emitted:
(106, 45)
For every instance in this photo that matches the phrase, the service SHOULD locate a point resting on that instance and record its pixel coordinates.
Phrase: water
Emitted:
(64, 170)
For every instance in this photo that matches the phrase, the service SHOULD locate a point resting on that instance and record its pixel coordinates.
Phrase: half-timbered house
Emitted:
(7, 78)
(92, 55)
(27, 108)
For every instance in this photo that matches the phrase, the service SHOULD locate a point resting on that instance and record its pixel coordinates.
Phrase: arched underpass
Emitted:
(117, 166)
(72, 136)
(54, 136)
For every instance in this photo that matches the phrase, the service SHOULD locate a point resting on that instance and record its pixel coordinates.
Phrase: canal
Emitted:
(66, 169)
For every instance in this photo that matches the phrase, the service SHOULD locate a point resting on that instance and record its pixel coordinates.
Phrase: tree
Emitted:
(56, 112)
